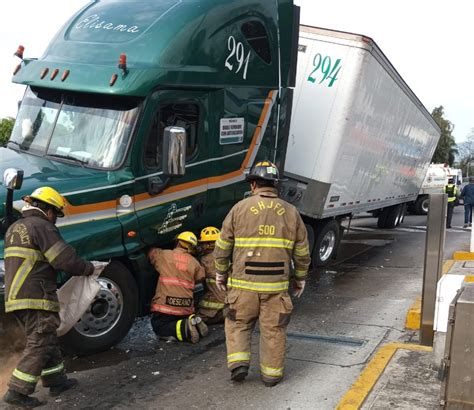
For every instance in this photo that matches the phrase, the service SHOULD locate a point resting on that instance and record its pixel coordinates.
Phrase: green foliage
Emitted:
(446, 149)
(6, 127)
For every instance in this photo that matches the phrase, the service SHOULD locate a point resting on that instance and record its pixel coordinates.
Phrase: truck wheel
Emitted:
(391, 216)
(422, 205)
(326, 242)
(109, 317)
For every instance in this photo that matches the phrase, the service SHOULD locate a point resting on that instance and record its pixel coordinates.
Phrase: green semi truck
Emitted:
(146, 115)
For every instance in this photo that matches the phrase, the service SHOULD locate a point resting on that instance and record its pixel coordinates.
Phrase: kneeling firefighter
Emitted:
(263, 235)
(34, 252)
(173, 304)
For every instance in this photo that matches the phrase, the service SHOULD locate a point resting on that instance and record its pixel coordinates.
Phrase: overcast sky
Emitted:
(428, 41)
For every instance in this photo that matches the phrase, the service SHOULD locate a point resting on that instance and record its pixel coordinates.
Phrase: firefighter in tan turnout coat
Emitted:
(261, 235)
(34, 251)
(211, 306)
(173, 304)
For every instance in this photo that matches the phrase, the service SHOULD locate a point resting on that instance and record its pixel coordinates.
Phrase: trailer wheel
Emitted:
(326, 243)
(422, 205)
(109, 317)
(391, 216)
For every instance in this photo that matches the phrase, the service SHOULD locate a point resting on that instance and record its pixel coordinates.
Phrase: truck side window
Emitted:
(257, 37)
(184, 115)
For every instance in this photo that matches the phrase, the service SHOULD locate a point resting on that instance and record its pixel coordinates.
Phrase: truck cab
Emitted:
(145, 116)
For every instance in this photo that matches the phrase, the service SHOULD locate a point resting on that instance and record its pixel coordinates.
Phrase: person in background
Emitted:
(452, 192)
(467, 195)
(173, 304)
(34, 252)
(211, 306)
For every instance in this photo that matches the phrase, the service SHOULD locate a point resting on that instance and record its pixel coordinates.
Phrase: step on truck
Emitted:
(145, 115)
(359, 141)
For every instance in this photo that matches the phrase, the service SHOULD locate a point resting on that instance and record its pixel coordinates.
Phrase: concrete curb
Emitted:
(413, 319)
(359, 391)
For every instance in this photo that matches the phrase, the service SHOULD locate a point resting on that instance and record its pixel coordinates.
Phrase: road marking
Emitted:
(359, 391)
(420, 229)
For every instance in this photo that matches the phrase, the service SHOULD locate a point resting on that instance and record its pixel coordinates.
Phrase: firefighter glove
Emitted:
(298, 288)
(221, 282)
(98, 268)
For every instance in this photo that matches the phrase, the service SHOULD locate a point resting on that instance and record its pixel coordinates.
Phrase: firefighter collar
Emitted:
(267, 192)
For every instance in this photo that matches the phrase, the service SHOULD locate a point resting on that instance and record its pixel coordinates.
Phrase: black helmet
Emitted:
(265, 171)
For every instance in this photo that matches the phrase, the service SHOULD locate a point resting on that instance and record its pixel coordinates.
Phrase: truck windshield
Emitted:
(93, 130)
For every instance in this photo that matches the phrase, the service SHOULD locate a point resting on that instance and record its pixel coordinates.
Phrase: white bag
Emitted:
(76, 295)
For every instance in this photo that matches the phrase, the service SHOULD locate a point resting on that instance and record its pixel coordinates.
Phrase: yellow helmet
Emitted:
(187, 237)
(209, 234)
(48, 196)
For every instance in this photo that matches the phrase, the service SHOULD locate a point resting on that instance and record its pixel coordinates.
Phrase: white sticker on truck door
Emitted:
(231, 131)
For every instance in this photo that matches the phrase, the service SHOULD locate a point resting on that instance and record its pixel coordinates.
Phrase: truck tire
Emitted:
(110, 316)
(391, 216)
(327, 239)
(422, 205)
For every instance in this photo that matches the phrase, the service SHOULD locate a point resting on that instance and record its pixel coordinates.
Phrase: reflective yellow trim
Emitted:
(29, 378)
(300, 273)
(258, 286)
(178, 330)
(238, 357)
(210, 281)
(223, 244)
(36, 304)
(222, 267)
(52, 370)
(211, 305)
(52, 253)
(266, 242)
(301, 251)
(271, 371)
(30, 256)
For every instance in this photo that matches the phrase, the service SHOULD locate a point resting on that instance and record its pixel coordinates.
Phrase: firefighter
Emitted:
(211, 306)
(263, 235)
(34, 252)
(173, 304)
(452, 192)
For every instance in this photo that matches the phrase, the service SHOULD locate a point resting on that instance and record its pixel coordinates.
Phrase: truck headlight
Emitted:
(2, 276)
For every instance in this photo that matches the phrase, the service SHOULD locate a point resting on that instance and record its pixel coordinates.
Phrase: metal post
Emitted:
(433, 267)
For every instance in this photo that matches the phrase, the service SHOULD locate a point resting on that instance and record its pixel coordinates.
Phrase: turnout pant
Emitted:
(169, 325)
(449, 215)
(42, 356)
(273, 312)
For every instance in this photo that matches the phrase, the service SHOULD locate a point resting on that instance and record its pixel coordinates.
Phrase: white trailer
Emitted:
(360, 140)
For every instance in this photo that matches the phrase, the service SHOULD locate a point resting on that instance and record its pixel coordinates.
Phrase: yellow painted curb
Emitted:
(469, 278)
(413, 319)
(463, 256)
(447, 265)
(359, 391)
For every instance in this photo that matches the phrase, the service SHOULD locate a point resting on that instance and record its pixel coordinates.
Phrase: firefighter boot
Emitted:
(21, 400)
(239, 373)
(192, 333)
(60, 388)
(201, 326)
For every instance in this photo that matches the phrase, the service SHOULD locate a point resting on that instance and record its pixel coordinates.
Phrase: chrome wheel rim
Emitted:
(327, 246)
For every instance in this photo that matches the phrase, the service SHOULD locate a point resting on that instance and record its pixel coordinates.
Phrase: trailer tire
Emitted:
(422, 205)
(391, 216)
(110, 316)
(327, 239)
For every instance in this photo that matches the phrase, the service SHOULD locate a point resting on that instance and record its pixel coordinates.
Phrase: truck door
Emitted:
(167, 205)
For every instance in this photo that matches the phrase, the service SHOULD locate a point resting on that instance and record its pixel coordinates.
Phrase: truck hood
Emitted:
(65, 178)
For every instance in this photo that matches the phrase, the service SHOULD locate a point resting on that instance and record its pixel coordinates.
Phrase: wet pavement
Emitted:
(348, 310)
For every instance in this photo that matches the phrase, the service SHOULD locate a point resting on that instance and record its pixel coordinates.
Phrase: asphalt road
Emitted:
(347, 311)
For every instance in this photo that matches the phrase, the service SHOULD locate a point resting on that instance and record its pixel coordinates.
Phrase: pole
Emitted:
(433, 266)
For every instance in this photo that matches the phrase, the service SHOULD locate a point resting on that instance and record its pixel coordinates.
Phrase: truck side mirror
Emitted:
(13, 178)
(174, 151)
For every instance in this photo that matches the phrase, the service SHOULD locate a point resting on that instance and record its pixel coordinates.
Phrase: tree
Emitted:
(446, 149)
(6, 127)
(465, 156)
